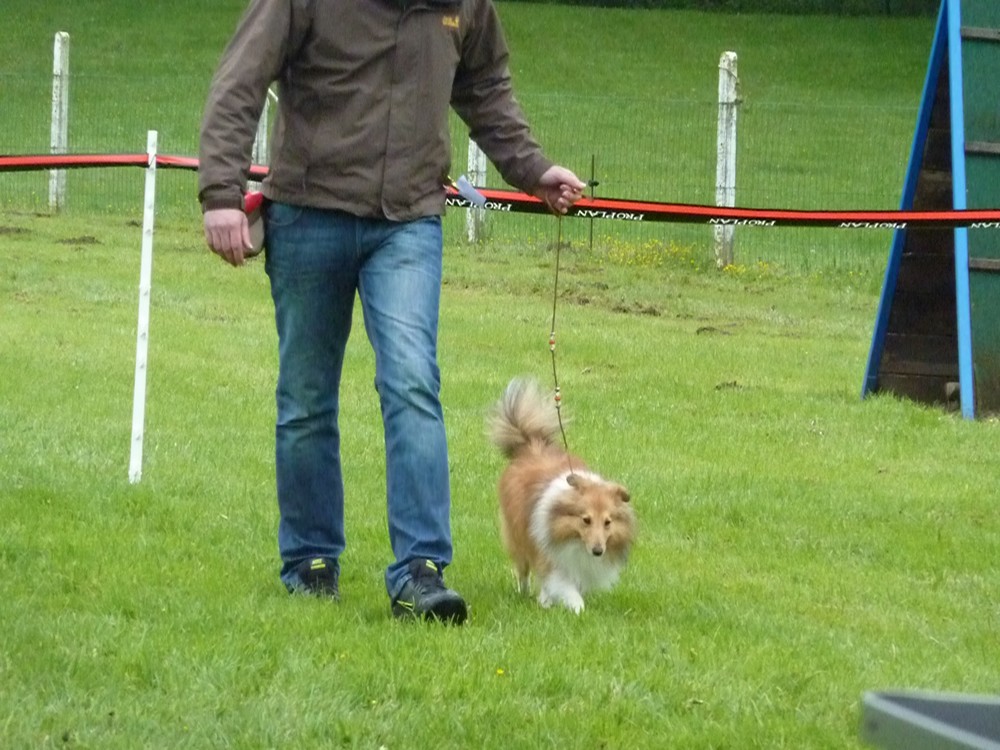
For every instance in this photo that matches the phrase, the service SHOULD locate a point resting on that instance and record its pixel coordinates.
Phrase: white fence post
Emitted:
(475, 218)
(261, 153)
(59, 138)
(725, 170)
(142, 327)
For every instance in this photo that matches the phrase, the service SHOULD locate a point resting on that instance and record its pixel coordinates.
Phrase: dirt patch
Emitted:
(723, 329)
(636, 308)
(7, 231)
(82, 240)
(701, 331)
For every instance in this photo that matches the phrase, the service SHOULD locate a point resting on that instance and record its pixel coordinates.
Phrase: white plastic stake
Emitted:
(725, 169)
(142, 326)
(59, 134)
(475, 218)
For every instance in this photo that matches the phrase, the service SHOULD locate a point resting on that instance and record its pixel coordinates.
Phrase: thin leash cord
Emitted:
(552, 345)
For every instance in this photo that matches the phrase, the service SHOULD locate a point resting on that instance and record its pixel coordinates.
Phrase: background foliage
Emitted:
(628, 97)
(809, 7)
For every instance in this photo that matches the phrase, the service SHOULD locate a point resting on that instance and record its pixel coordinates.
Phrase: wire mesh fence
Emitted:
(790, 155)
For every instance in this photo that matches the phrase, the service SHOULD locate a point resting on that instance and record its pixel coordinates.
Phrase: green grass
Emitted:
(798, 546)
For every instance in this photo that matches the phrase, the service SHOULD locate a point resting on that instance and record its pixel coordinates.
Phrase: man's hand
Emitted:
(227, 233)
(559, 188)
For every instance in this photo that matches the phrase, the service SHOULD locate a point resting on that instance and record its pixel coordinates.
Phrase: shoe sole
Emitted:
(453, 613)
(450, 612)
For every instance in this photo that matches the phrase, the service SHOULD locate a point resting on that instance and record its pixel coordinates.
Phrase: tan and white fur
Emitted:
(559, 520)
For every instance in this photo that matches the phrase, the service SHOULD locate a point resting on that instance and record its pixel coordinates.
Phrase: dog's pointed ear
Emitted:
(622, 494)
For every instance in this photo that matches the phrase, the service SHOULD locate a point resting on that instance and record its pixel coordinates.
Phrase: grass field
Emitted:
(798, 546)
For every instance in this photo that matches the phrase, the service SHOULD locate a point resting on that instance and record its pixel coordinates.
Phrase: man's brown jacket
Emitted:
(364, 88)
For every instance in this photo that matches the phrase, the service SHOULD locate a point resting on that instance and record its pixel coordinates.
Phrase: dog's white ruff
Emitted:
(575, 569)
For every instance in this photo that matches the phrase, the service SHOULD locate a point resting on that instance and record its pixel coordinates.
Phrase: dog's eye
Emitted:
(607, 523)
(586, 520)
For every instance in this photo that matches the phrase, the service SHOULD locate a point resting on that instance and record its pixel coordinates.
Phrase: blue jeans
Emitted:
(317, 261)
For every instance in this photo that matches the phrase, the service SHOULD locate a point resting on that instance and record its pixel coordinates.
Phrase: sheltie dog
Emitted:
(567, 525)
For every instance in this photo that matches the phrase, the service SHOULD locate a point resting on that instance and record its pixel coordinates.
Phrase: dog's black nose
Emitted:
(597, 551)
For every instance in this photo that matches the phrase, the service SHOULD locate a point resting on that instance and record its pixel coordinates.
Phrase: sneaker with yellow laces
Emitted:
(425, 597)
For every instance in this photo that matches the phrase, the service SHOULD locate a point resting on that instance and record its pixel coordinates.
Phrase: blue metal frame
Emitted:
(966, 376)
(909, 190)
(947, 39)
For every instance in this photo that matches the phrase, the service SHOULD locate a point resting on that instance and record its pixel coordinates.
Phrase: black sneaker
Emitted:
(425, 596)
(318, 577)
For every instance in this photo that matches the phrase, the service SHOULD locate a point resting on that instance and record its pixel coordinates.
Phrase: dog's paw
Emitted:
(557, 589)
(573, 602)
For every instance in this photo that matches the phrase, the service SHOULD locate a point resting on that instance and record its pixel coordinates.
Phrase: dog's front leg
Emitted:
(522, 579)
(524, 586)
(556, 589)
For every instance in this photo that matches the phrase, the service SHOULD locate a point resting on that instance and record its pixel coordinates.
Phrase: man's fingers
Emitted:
(227, 233)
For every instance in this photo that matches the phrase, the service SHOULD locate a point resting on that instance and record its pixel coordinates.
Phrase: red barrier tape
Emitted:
(591, 208)
(628, 210)
(70, 161)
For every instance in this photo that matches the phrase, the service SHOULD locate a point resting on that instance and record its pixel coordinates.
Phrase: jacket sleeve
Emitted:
(268, 32)
(483, 96)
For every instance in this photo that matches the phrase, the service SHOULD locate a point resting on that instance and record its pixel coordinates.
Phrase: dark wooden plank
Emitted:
(927, 274)
(923, 389)
(923, 314)
(989, 265)
(980, 34)
(934, 356)
(937, 150)
(982, 148)
(934, 190)
(930, 242)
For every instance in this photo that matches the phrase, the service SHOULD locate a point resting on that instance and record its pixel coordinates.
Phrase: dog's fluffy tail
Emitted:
(523, 418)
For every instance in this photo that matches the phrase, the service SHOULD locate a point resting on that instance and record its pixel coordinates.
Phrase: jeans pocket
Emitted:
(281, 215)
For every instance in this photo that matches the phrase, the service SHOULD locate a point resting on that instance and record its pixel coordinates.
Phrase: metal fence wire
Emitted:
(789, 155)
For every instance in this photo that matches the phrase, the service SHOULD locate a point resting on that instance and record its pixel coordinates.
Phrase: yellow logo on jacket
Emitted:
(450, 21)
